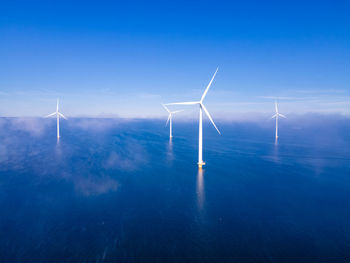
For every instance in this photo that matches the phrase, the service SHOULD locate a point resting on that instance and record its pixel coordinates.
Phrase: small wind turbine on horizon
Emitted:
(276, 116)
(201, 109)
(170, 119)
(58, 115)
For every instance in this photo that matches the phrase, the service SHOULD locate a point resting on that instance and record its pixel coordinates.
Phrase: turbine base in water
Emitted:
(201, 164)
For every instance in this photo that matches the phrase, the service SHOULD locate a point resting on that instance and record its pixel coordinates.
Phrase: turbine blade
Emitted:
(276, 107)
(166, 124)
(206, 90)
(184, 103)
(206, 112)
(52, 114)
(176, 111)
(165, 108)
(57, 105)
(282, 115)
(62, 115)
(274, 116)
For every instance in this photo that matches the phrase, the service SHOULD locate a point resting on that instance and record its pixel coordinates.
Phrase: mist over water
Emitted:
(119, 190)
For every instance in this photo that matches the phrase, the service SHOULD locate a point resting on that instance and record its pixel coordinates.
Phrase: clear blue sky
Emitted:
(124, 58)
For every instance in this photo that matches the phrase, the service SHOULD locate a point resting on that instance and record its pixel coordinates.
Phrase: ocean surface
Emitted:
(116, 190)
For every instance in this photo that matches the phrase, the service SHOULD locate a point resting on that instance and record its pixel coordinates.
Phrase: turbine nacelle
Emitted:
(58, 114)
(277, 113)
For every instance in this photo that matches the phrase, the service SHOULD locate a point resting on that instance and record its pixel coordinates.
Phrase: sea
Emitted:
(120, 190)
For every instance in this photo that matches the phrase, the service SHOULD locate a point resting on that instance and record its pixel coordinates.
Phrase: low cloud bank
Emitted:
(93, 163)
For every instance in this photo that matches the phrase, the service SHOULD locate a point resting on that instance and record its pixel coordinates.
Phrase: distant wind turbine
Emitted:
(170, 118)
(58, 114)
(276, 116)
(201, 109)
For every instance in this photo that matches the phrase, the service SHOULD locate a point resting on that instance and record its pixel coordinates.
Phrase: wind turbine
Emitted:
(201, 109)
(276, 116)
(170, 118)
(58, 114)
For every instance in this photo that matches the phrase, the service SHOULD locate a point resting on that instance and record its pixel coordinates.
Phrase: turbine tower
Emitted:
(276, 116)
(58, 114)
(201, 109)
(170, 118)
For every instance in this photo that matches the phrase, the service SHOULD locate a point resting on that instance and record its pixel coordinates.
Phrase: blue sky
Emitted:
(110, 58)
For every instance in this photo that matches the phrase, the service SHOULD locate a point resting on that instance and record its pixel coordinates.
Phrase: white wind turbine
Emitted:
(276, 116)
(170, 118)
(58, 114)
(201, 109)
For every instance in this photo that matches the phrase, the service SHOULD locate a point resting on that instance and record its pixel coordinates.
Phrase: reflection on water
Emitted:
(200, 189)
(275, 155)
(58, 149)
(170, 153)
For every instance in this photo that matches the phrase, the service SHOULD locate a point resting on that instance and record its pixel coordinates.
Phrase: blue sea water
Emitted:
(114, 190)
